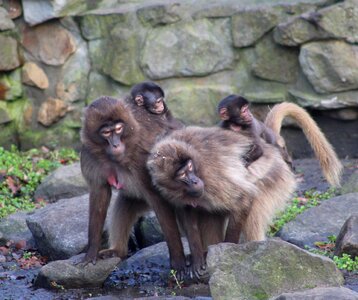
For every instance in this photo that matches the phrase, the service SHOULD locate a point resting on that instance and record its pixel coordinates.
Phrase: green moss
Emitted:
(12, 82)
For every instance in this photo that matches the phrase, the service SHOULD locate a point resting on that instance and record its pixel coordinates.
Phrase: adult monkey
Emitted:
(184, 166)
(204, 169)
(116, 143)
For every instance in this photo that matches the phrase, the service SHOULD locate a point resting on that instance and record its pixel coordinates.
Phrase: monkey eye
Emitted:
(181, 175)
(106, 132)
(118, 128)
(161, 99)
(190, 165)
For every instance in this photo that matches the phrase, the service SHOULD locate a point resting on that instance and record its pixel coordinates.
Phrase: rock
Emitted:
(100, 85)
(351, 185)
(38, 11)
(73, 81)
(4, 116)
(98, 26)
(49, 43)
(274, 62)
(14, 8)
(330, 66)
(335, 22)
(122, 52)
(260, 270)
(307, 228)
(51, 111)
(298, 31)
(148, 266)
(159, 14)
(9, 57)
(340, 21)
(60, 229)
(64, 182)
(304, 94)
(327, 293)
(196, 104)
(148, 231)
(14, 228)
(65, 273)
(33, 75)
(256, 23)
(10, 85)
(180, 49)
(344, 114)
(347, 239)
(5, 21)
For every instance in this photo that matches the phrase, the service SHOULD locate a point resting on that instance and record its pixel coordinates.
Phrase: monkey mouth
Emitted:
(158, 108)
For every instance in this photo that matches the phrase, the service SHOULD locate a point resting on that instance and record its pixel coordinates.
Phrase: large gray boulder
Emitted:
(9, 57)
(261, 270)
(194, 48)
(69, 274)
(328, 293)
(330, 66)
(338, 21)
(60, 230)
(317, 223)
(14, 228)
(64, 182)
(275, 62)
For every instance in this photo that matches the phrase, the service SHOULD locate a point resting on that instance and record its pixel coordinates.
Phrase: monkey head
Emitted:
(174, 172)
(149, 95)
(235, 109)
(107, 125)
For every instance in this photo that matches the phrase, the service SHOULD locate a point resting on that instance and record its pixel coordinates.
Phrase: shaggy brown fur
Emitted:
(250, 196)
(330, 164)
(127, 170)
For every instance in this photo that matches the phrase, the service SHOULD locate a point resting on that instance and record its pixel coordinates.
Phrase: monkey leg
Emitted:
(167, 220)
(125, 213)
(212, 228)
(189, 219)
(98, 205)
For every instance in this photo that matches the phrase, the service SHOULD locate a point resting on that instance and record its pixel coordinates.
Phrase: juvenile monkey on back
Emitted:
(235, 115)
(151, 97)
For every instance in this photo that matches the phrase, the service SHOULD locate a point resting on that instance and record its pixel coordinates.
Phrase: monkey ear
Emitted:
(139, 100)
(223, 114)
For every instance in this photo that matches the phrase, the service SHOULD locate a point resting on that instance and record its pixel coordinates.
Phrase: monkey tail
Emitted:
(330, 164)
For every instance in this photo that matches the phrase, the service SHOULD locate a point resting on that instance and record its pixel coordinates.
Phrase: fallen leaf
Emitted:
(12, 185)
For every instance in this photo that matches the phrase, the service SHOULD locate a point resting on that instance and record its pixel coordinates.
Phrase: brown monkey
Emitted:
(330, 164)
(151, 96)
(187, 168)
(201, 168)
(235, 115)
(116, 143)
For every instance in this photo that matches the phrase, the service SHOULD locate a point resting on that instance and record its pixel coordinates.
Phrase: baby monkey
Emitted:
(151, 96)
(235, 115)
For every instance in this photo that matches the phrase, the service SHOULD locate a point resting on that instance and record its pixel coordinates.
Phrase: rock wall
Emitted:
(57, 56)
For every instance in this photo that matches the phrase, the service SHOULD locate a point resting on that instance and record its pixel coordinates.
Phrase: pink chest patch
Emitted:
(113, 181)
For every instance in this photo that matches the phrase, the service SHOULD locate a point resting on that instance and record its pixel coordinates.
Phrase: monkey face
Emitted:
(192, 184)
(112, 133)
